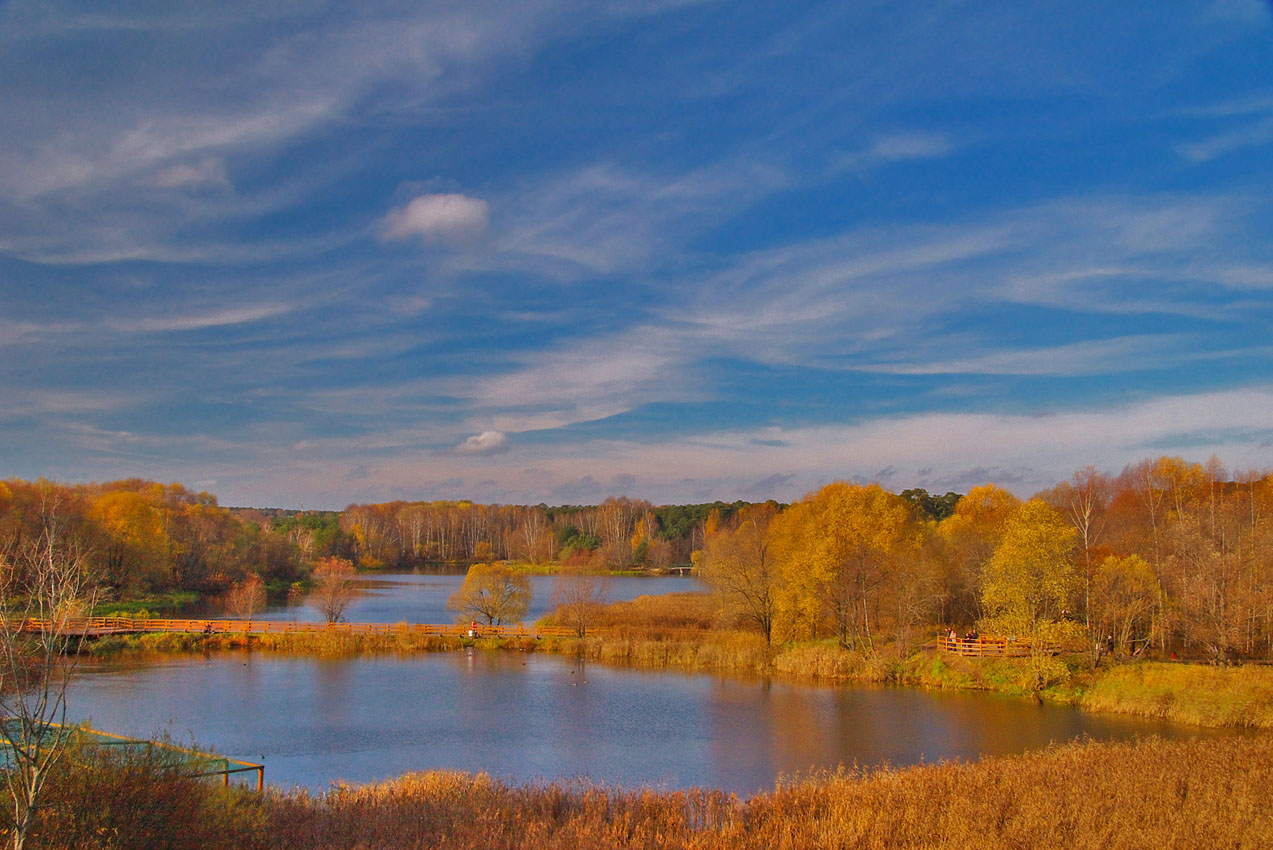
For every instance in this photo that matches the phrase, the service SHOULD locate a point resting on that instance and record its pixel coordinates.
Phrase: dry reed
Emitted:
(1126, 796)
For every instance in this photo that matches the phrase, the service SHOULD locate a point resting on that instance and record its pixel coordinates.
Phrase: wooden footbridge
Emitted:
(989, 646)
(92, 627)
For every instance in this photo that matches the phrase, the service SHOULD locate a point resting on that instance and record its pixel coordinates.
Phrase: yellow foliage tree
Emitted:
(969, 537)
(138, 542)
(1031, 581)
(495, 592)
(1124, 590)
(837, 551)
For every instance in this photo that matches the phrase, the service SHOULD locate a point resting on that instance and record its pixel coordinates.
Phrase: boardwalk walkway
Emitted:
(989, 646)
(101, 626)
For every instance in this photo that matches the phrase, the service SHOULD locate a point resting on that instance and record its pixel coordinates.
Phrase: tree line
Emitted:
(618, 534)
(144, 538)
(1166, 556)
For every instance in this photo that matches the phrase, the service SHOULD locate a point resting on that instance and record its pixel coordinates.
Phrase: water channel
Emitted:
(524, 716)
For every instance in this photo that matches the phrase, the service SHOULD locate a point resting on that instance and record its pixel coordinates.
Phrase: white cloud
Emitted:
(485, 443)
(207, 173)
(582, 381)
(897, 147)
(1246, 277)
(432, 217)
(1025, 452)
(198, 321)
(1255, 134)
(602, 218)
(1081, 358)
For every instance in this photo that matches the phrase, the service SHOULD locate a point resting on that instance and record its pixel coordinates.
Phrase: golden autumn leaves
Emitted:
(861, 563)
(1167, 556)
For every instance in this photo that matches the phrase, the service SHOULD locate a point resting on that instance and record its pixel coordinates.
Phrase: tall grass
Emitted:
(1187, 693)
(125, 798)
(1150, 794)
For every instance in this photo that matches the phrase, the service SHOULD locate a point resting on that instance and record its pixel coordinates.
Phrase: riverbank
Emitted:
(1182, 693)
(1205, 793)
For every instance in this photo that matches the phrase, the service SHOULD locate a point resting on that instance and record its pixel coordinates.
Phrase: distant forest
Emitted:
(1167, 554)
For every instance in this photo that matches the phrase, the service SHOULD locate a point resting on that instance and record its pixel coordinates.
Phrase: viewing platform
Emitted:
(991, 646)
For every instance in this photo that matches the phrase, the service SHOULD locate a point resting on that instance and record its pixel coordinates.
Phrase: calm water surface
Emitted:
(522, 716)
(421, 597)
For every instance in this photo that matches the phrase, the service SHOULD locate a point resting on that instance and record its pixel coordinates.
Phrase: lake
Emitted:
(524, 716)
(421, 597)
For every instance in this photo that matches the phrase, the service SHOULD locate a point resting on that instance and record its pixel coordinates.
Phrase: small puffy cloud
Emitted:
(205, 174)
(485, 443)
(433, 217)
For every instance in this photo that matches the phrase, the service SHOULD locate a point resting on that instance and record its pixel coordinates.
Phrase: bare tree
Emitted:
(45, 592)
(335, 590)
(578, 594)
(247, 598)
(740, 568)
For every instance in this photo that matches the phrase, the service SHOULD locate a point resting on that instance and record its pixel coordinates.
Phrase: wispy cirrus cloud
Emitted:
(1025, 452)
(1252, 134)
(279, 78)
(412, 243)
(217, 318)
(896, 147)
(208, 173)
(604, 219)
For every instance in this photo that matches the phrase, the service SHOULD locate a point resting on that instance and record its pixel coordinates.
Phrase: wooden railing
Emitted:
(990, 646)
(86, 737)
(98, 626)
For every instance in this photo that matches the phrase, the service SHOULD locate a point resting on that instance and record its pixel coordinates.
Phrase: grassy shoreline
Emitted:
(1082, 796)
(1183, 693)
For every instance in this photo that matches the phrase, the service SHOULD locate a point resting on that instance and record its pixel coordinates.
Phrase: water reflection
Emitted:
(421, 597)
(524, 716)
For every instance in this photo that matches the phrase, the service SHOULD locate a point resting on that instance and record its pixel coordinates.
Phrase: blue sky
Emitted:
(317, 253)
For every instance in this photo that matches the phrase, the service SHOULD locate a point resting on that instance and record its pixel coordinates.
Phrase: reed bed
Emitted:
(1187, 693)
(1128, 796)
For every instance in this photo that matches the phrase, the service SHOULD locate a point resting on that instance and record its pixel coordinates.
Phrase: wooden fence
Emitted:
(990, 646)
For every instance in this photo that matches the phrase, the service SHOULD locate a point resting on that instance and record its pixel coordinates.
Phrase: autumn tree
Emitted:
(495, 593)
(616, 522)
(969, 536)
(1082, 500)
(578, 594)
(739, 566)
(1031, 582)
(132, 557)
(334, 588)
(839, 550)
(1123, 596)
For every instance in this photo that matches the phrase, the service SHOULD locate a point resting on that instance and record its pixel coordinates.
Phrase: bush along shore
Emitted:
(1147, 794)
